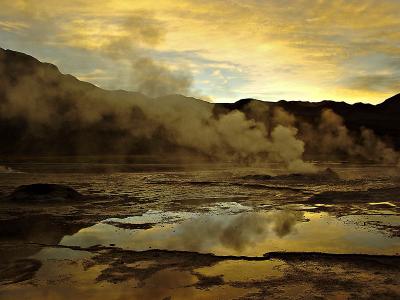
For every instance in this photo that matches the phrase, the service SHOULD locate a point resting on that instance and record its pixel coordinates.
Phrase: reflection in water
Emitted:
(193, 276)
(68, 274)
(248, 233)
(20, 232)
(227, 234)
(237, 232)
(383, 204)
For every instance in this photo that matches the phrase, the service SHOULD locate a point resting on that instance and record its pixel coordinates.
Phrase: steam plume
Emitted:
(331, 137)
(38, 104)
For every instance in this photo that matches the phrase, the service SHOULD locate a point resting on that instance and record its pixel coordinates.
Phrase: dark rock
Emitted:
(130, 225)
(19, 270)
(370, 195)
(206, 282)
(44, 192)
(326, 175)
(258, 177)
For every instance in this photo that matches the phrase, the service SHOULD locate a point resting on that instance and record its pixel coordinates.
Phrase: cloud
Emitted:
(116, 37)
(310, 43)
(126, 40)
(96, 74)
(376, 82)
(12, 26)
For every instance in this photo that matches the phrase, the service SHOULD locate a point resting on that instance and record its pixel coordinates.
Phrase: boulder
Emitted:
(44, 192)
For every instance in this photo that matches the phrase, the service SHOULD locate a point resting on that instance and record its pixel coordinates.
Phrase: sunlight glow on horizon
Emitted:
(224, 50)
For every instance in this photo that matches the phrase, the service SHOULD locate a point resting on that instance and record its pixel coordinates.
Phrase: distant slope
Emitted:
(44, 112)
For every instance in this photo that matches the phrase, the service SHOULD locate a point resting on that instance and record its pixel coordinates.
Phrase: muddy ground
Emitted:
(38, 263)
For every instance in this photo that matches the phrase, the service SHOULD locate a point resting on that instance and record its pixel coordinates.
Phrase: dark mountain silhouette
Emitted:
(44, 112)
(391, 103)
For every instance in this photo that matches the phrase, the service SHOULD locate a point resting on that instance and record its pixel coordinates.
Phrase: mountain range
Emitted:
(45, 112)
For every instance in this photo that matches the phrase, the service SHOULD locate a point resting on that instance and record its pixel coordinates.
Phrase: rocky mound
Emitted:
(44, 192)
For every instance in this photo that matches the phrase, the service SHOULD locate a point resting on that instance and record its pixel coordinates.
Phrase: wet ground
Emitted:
(201, 232)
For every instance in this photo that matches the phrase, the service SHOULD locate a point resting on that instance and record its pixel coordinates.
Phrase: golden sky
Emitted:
(224, 50)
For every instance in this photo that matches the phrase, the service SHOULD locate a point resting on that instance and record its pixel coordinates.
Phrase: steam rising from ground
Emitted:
(156, 79)
(38, 105)
(332, 137)
(48, 101)
(232, 136)
(41, 105)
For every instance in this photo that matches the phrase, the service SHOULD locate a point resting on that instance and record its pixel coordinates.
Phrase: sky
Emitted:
(217, 50)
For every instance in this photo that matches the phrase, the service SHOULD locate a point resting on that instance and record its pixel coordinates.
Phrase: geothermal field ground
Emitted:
(199, 231)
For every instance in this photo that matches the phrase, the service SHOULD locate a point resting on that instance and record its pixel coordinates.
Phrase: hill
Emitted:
(45, 112)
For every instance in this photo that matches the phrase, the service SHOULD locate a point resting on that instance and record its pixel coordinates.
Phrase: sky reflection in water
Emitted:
(245, 233)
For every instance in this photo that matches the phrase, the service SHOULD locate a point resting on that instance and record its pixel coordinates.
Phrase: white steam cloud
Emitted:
(38, 104)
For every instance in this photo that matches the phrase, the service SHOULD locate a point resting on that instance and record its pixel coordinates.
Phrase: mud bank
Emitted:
(371, 195)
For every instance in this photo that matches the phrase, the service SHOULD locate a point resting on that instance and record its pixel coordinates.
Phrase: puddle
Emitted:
(165, 284)
(245, 233)
(68, 274)
(323, 205)
(382, 204)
